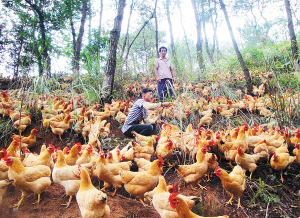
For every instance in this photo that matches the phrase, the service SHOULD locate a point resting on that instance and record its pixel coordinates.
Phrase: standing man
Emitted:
(164, 73)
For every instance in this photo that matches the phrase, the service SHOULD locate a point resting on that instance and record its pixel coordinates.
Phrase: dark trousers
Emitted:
(142, 129)
(163, 89)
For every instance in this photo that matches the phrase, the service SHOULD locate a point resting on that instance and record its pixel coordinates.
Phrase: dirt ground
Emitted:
(125, 206)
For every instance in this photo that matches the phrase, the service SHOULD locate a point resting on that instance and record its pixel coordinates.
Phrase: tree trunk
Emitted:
(100, 21)
(186, 41)
(199, 39)
(292, 34)
(108, 82)
(77, 48)
(171, 36)
(90, 23)
(46, 58)
(237, 51)
(209, 53)
(156, 31)
(127, 31)
(215, 37)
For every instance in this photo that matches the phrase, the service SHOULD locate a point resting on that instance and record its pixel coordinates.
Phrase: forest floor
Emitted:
(264, 193)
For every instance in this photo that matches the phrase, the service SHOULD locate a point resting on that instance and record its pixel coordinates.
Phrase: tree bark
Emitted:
(90, 23)
(237, 51)
(186, 40)
(199, 39)
(77, 47)
(292, 34)
(172, 37)
(108, 82)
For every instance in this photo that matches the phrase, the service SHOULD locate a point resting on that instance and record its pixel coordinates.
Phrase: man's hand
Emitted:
(160, 122)
(167, 104)
(158, 79)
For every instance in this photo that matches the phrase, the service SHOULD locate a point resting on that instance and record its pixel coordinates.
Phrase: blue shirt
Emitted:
(136, 115)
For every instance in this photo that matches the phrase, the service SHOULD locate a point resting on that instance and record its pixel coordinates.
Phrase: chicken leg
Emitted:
(145, 205)
(24, 195)
(60, 138)
(69, 203)
(193, 188)
(230, 200)
(202, 187)
(281, 177)
(239, 204)
(38, 200)
(115, 192)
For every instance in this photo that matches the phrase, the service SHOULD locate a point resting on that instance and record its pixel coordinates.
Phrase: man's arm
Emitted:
(156, 73)
(173, 76)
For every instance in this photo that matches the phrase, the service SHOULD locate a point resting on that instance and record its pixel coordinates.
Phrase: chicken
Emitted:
(160, 200)
(140, 138)
(206, 119)
(281, 161)
(3, 186)
(91, 201)
(296, 152)
(143, 152)
(30, 140)
(121, 117)
(72, 157)
(105, 131)
(234, 183)
(138, 183)
(23, 123)
(182, 209)
(67, 176)
(193, 173)
(86, 156)
(45, 158)
(247, 161)
(212, 161)
(109, 173)
(15, 115)
(165, 151)
(240, 141)
(142, 164)
(28, 179)
(296, 138)
(59, 127)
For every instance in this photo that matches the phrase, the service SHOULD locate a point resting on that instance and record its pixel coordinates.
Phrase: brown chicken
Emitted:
(92, 202)
(281, 161)
(109, 173)
(160, 200)
(138, 183)
(296, 152)
(165, 151)
(23, 123)
(234, 183)
(72, 157)
(182, 208)
(67, 176)
(28, 179)
(45, 158)
(30, 140)
(59, 127)
(247, 161)
(193, 173)
(143, 152)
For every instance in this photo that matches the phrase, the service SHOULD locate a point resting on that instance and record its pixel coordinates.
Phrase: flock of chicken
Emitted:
(74, 168)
